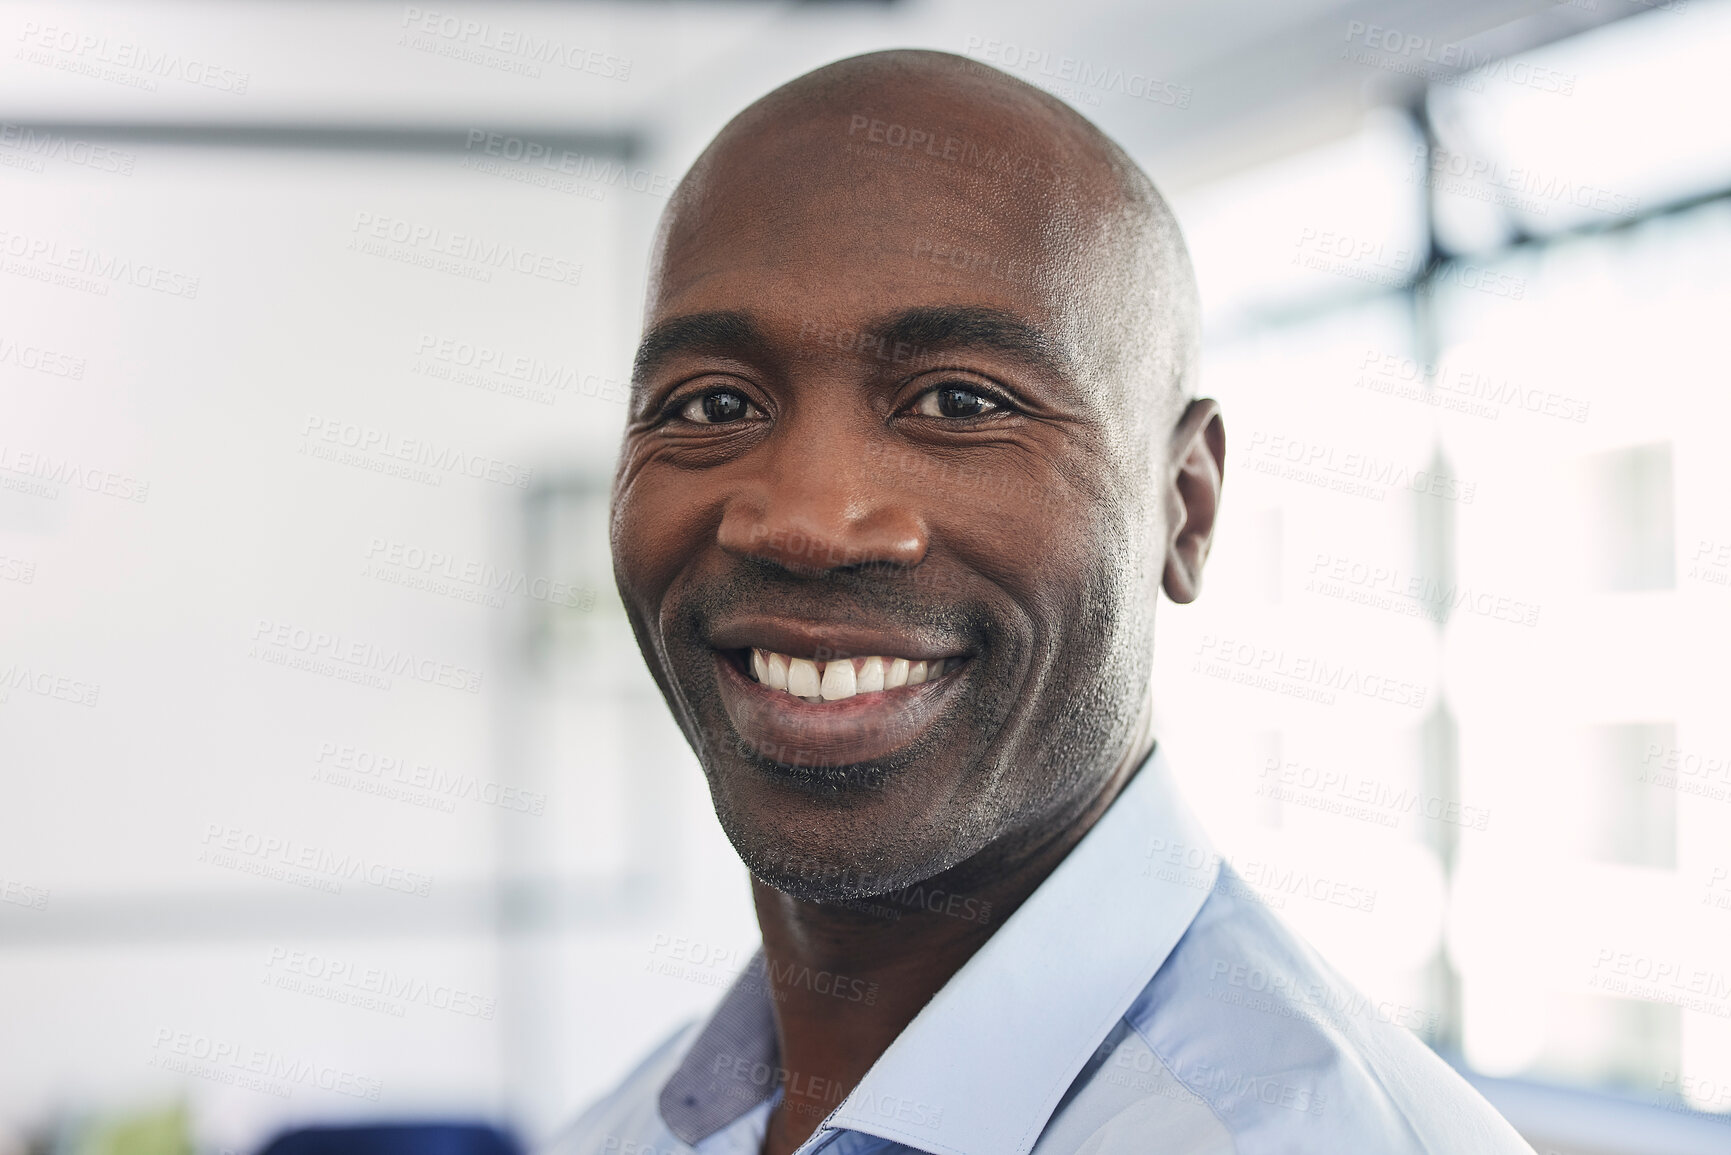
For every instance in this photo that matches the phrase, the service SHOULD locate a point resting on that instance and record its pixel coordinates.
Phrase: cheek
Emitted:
(1041, 541)
(661, 520)
(1078, 571)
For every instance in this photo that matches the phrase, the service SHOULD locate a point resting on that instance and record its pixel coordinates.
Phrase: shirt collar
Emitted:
(732, 1065)
(983, 1066)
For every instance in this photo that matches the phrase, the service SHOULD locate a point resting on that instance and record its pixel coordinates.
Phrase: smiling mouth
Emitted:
(839, 679)
(805, 718)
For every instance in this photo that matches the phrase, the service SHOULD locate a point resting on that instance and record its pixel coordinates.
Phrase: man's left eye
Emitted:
(954, 402)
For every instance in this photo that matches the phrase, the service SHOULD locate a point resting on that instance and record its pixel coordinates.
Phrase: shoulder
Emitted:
(1287, 1056)
(628, 1118)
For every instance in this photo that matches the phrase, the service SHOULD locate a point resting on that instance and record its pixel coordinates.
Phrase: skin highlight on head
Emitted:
(917, 381)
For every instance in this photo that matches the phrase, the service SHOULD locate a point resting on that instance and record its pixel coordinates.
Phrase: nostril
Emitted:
(811, 542)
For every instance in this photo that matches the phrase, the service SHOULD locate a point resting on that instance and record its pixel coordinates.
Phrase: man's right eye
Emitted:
(718, 407)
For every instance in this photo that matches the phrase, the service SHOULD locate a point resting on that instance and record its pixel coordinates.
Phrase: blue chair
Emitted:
(395, 1139)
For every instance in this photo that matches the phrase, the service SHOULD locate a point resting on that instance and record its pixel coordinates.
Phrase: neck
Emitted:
(847, 978)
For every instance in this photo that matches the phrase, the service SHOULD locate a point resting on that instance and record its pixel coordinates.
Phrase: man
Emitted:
(912, 449)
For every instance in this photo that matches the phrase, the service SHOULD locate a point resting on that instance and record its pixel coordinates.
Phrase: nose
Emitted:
(819, 505)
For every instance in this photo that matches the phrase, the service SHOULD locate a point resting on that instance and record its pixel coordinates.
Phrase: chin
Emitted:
(840, 834)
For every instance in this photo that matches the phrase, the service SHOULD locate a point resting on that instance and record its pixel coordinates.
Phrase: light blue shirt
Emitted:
(1141, 1002)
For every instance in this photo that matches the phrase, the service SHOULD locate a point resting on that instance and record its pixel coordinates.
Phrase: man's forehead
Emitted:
(793, 209)
(798, 237)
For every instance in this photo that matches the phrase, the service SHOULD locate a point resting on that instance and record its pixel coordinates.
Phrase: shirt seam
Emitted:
(1046, 1121)
(1231, 1135)
(1405, 1119)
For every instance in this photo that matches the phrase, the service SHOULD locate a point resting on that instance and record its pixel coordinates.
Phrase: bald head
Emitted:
(962, 144)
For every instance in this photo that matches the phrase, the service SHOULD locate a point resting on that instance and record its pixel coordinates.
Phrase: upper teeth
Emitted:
(838, 678)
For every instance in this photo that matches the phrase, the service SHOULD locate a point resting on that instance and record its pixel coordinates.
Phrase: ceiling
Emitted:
(1258, 77)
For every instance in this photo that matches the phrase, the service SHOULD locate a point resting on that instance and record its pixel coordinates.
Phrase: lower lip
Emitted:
(817, 735)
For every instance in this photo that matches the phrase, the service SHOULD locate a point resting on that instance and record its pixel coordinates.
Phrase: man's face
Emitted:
(872, 427)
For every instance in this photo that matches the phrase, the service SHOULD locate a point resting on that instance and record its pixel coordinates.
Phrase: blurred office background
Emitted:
(331, 785)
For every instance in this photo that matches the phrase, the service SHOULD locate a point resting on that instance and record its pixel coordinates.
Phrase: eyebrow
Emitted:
(935, 328)
(718, 332)
(913, 334)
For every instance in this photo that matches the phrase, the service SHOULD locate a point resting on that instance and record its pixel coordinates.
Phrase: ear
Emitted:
(1195, 469)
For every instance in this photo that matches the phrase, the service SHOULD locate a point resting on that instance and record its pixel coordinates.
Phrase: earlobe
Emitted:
(1195, 472)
